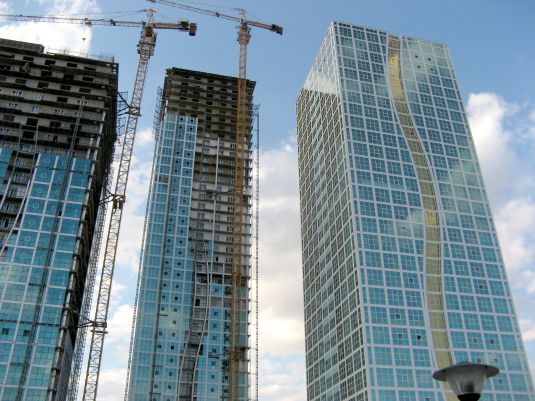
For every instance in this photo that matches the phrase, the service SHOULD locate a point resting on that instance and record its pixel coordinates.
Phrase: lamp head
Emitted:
(466, 379)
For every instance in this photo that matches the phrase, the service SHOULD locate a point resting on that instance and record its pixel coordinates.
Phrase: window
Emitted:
(402, 356)
(400, 336)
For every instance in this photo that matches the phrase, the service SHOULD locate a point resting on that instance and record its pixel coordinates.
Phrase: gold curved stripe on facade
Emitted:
(433, 273)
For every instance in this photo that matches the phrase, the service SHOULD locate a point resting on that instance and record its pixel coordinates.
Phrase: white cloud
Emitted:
(504, 135)
(281, 326)
(515, 222)
(4, 7)
(145, 137)
(494, 143)
(73, 38)
(54, 37)
(528, 329)
(134, 211)
(281, 299)
(281, 335)
(66, 7)
(507, 158)
(111, 384)
(120, 329)
(117, 292)
(282, 378)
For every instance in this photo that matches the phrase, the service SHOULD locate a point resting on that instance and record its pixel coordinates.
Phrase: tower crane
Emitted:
(145, 49)
(238, 279)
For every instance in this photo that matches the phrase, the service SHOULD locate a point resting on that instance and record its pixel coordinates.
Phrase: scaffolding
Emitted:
(255, 309)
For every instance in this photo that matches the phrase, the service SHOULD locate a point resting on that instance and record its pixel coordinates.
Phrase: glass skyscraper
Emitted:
(57, 132)
(402, 268)
(181, 345)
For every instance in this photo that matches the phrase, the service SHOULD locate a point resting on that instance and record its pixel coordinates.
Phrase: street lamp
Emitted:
(466, 379)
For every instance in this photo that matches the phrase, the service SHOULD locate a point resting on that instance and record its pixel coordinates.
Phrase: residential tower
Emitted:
(403, 273)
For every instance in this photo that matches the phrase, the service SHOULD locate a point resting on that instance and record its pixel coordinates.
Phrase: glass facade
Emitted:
(35, 270)
(57, 131)
(403, 272)
(181, 345)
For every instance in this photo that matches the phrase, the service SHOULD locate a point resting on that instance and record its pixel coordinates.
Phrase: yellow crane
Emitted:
(239, 281)
(145, 49)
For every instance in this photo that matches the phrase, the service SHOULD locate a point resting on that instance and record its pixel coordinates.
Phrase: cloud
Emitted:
(4, 7)
(528, 329)
(120, 329)
(496, 143)
(55, 37)
(118, 290)
(281, 299)
(282, 378)
(136, 201)
(145, 138)
(507, 158)
(111, 384)
(67, 7)
(281, 326)
(515, 222)
(504, 134)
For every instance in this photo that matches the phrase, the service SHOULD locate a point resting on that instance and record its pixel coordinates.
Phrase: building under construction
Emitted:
(192, 310)
(57, 131)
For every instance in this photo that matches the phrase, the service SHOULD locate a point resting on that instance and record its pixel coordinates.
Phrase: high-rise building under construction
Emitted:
(402, 268)
(187, 289)
(57, 132)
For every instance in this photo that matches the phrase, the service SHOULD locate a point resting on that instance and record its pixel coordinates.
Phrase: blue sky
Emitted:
(491, 42)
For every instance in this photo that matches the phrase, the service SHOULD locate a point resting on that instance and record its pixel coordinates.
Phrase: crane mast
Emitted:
(145, 50)
(239, 275)
(146, 45)
(238, 280)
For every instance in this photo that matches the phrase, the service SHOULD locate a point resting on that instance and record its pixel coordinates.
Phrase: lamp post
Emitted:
(466, 379)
